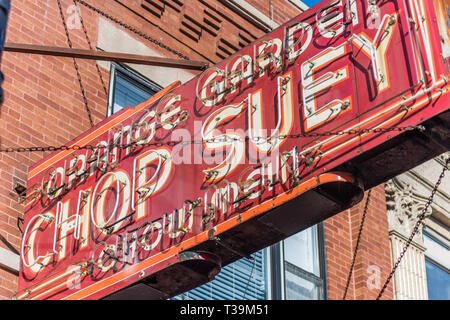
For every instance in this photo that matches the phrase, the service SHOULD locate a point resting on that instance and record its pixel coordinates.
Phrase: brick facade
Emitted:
(44, 107)
(372, 265)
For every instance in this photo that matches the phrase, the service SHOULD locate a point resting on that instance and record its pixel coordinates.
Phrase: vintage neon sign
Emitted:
(212, 160)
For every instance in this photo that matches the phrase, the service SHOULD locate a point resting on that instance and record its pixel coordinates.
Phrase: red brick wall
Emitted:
(279, 11)
(43, 105)
(372, 264)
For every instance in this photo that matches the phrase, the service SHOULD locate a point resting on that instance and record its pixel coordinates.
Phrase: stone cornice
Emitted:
(405, 239)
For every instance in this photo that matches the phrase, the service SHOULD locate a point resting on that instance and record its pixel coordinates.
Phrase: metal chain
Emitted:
(416, 227)
(249, 277)
(357, 244)
(77, 9)
(75, 64)
(172, 143)
(132, 29)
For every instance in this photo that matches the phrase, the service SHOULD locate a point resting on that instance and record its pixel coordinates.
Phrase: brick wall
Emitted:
(276, 10)
(43, 106)
(372, 265)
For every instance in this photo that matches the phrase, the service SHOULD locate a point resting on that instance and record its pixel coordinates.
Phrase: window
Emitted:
(310, 3)
(302, 266)
(241, 280)
(292, 269)
(128, 88)
(438, 281)
(304, 4)
(437, 264)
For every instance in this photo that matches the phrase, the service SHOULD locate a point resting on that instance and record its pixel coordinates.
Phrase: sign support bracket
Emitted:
(105, 56)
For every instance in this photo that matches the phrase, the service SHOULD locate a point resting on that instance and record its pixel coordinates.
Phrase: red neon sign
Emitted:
(310, 106)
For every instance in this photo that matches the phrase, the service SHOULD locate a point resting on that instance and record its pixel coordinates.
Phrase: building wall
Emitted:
(43, 106)
(372, 264)
(407, 196)
(276, 11)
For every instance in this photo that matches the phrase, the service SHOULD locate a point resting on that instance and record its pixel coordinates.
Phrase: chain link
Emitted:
(132, 29)
(416, 227)
(75, 64)
(249, 278)
(77, 9)
(172, 143)
(357, 244)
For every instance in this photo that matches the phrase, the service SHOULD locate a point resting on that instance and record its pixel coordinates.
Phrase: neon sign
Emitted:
(221, 158)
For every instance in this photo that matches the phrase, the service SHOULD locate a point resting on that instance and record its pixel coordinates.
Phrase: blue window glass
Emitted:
(128, 89)
(437, 264)
(310, 3)
(241, 280)
(438, 281)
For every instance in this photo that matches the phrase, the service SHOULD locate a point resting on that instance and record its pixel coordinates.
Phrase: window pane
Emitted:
(233, 281)
(437, 251)
(128, 92)
(298, 288)
(302, 250)
(438, 282)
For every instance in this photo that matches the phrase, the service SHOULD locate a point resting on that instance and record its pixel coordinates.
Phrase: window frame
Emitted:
(233, 289)
(431, 258)
(131, 75)
(276, 283)
(439, 240)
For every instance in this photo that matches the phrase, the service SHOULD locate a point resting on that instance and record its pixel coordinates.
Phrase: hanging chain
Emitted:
(416, 227)
(172, 143)
(249, 277)
(357, 244)
(75, 64)
(132, 29)
(77, 9)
